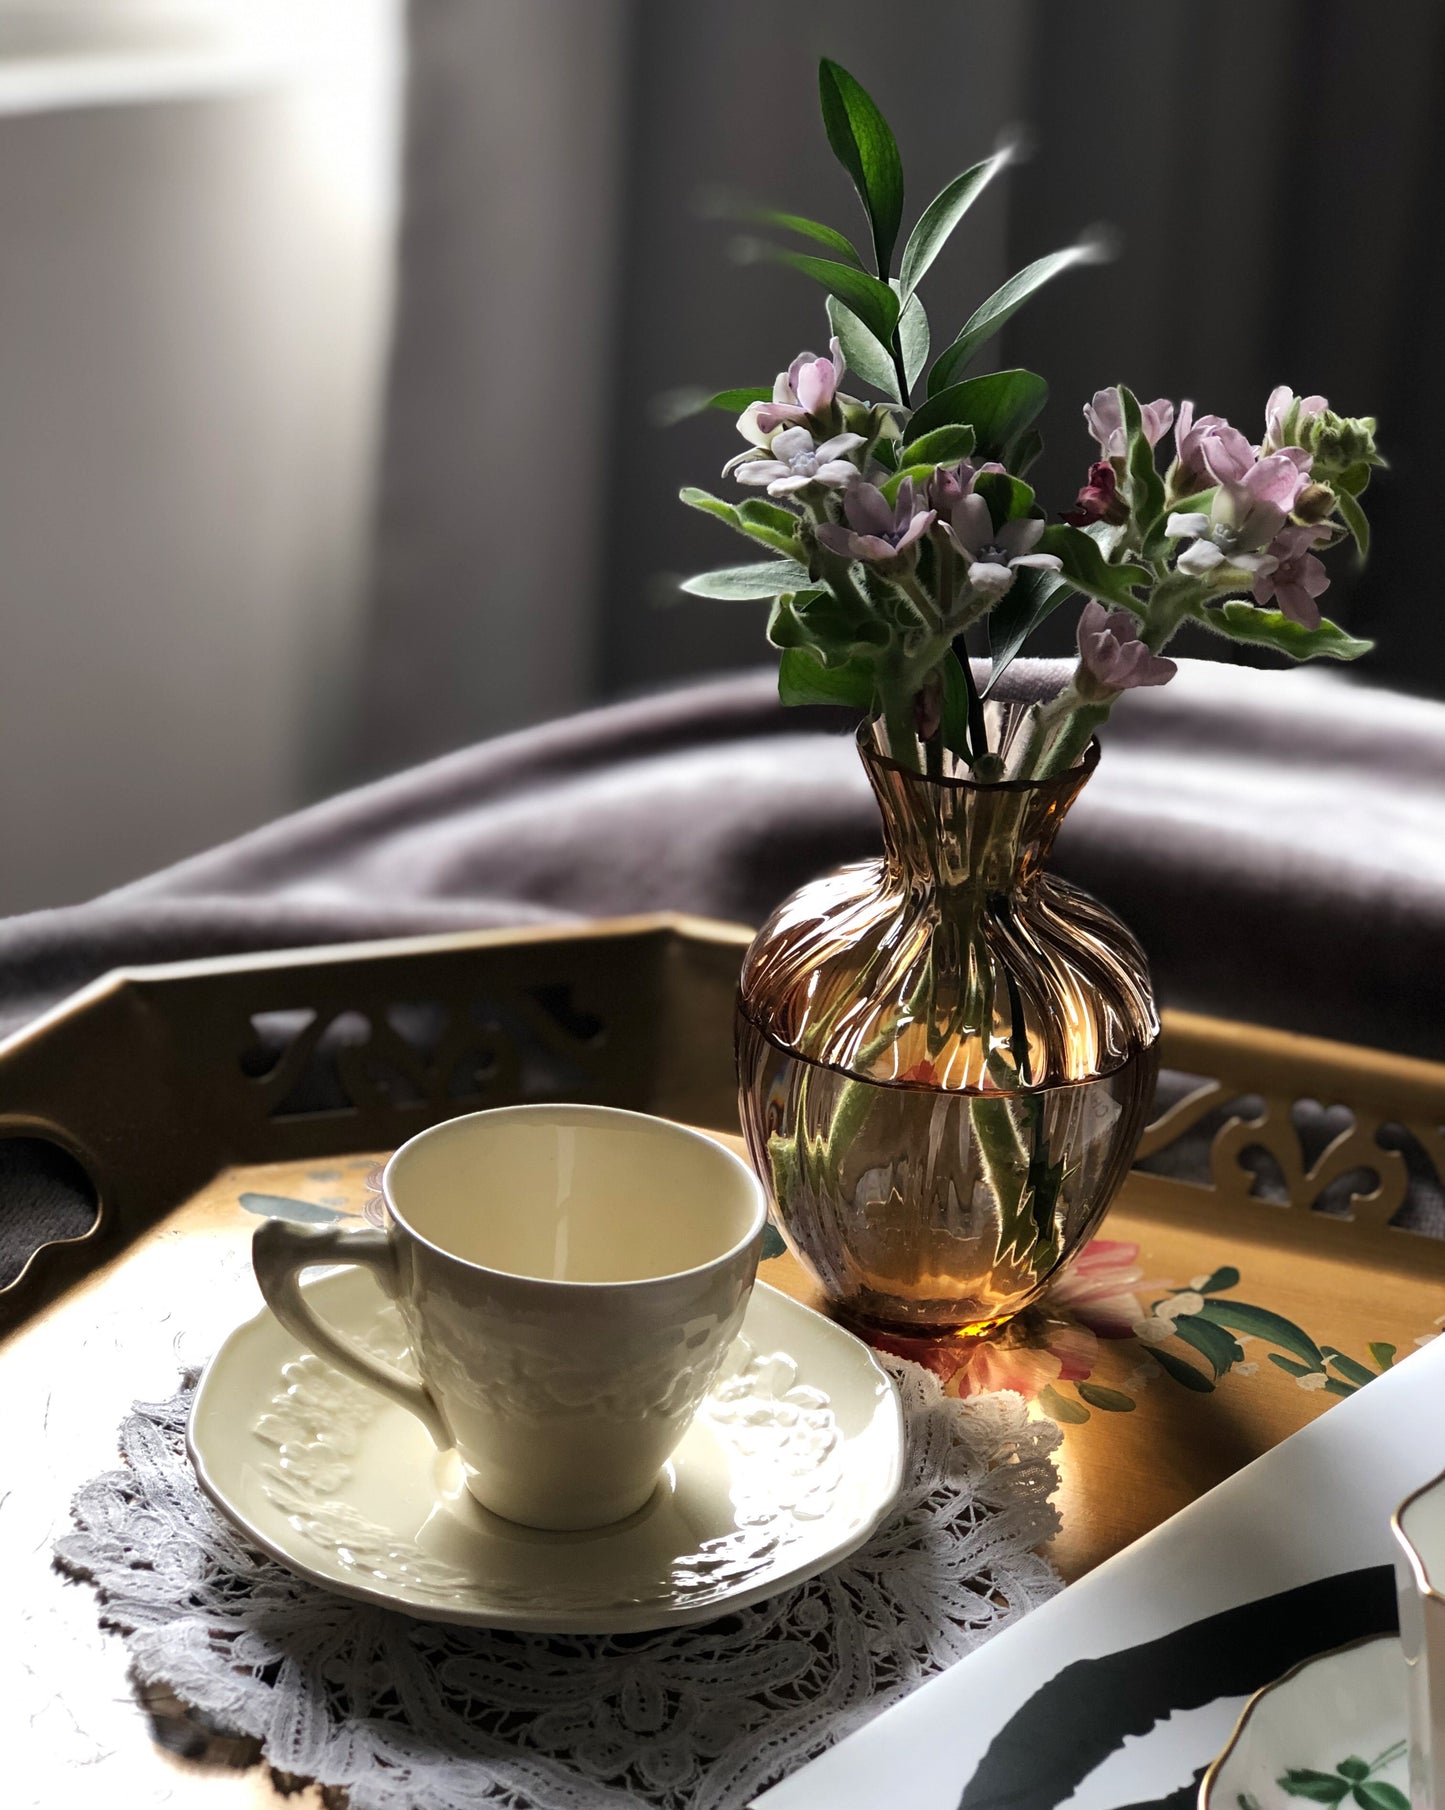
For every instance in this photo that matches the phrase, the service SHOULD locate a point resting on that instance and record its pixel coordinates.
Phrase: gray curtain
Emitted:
(1271, 168)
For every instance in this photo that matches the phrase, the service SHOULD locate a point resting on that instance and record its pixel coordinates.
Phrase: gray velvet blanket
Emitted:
(1277, 841)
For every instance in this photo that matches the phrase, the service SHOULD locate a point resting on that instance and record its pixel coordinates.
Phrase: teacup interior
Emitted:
(1422, 1521)
(574, 1194)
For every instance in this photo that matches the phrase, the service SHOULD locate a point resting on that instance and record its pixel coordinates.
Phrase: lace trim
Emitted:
(403, 1711)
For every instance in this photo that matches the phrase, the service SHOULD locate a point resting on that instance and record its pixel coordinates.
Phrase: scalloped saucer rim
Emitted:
(792, 1463)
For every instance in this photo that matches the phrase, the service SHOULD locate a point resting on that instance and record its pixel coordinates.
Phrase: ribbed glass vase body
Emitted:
(945, 1057)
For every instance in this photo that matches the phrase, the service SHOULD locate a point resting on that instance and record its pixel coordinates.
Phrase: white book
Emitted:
(1121, 1690)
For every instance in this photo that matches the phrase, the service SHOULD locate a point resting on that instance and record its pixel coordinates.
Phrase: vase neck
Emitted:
(948, 834)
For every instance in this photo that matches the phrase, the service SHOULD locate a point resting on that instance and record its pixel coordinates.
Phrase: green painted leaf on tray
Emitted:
(1354, 1769)
(773, 1245)
(1113, 1401)
(1182, 1372)
(1224, 1277)
(1293, 1366)
(1320, 1787)
(1351, 1369)
(1375, 1794)
(281, 1206)
(1059, 1407)
(1260, 1323)
(1384, 1355)
(1211, 1341)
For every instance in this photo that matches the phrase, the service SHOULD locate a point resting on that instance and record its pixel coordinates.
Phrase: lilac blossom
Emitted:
(1277, 412)
(877, 530)
(1112, 655)
(1297, 577)
(1244, 517)
(1105, 419)
(797, 462)
(804, 391)
(1208, 451)
(952, 482)
(995, 555)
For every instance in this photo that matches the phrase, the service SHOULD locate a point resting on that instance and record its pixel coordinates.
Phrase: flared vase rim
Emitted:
(872, 755)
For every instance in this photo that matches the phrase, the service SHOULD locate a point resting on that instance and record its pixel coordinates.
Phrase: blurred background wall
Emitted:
(332, 330)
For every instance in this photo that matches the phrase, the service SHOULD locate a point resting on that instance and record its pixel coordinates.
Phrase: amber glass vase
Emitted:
(945, 1057)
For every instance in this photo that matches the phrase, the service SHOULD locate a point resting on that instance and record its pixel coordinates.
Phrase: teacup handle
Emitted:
(279, 1253)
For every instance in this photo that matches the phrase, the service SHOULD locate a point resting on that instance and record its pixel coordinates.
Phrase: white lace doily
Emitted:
(402, 1712)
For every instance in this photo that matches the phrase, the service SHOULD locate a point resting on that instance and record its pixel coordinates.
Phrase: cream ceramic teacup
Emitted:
(571, 1278)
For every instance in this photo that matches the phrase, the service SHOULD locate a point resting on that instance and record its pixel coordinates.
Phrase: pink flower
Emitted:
(1277, 412)
(1113, 656)
(1244, 516)
(1208, 451)
(804, 390)
(950, 484)
(877, 530)
(1099, 499)
(796, 462)
(1297, 577)
(994, 555)
(1097, 1288)
(1105, 419)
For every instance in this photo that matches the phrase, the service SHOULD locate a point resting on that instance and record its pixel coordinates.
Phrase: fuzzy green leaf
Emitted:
(943, 213)
(944, 446)
(758, 512)
(919, 473)
(681, 405)
(832, 629)
(1260, 1323)
(771, 578)
(873, 302)
(1088, 571)
(1355, 520)
(913, 337)
(1146, 487)
(838, 243)
(1271, 628)
(804, 680)
(1211, 1341)
(1114, 1401)
(867, 357)
(1005, 302)
(997, 407)
(1032, 597)
(742, 519)
(867, 150)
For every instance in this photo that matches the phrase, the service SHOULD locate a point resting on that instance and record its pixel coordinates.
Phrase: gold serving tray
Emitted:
(199, 1095)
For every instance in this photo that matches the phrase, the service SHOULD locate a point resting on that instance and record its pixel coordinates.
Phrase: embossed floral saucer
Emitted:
(1332, 1731)
(792, 1462)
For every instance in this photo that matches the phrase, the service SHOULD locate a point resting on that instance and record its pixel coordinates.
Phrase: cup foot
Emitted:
(577, 1515)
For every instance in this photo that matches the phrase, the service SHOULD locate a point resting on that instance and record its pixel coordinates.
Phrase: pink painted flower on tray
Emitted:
(1098, 1288)
(1023, 1368)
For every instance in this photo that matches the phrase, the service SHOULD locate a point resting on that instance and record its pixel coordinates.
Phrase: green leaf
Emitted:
(681, 405)
(1384, 1355)
(833, 629)
(944, 446)
(1351, 1369)
(955, 705)
(1355, 520)
(1354, 478)
(1059, 1407)
(873, 302)
(769, 579)
(867, 357)
(1353, 1768)
(1293, 1366)
(1008, 498)
(1211, 1341)
(919, 473)
(1271, 628)
(1181, 1372)
(866, 148)
(1321, 1787)
(913, 337)
(758, 512)
(1225, 1277)
(1031, 598)
(1005, 302)
(1146, 487)
(1114, 1401)
(1088, 571)
(764, 529)
(1260, 1323)
(997, 407)
(804, 680)
(838, 243)
(943, 213)
(1027, 448)
(1375, 1794)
